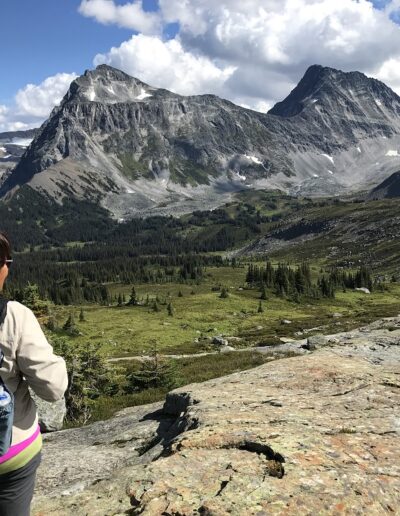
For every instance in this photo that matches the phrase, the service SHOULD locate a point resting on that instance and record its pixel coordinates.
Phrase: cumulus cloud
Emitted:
(130, 15)
(37, 100)
(389, 73)
(166, 64)
(3, 112)
(286, 35)
(253, 52)
(33, 103)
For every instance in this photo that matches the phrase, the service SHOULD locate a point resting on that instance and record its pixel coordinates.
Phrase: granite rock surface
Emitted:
(311, 434)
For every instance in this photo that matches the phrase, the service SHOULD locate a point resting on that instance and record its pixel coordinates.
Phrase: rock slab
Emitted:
(311, 434)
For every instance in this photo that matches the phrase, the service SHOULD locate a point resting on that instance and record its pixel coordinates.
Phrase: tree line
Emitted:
(284, 280)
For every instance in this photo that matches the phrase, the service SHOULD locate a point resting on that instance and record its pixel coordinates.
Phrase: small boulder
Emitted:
(363, 289)
(315, 341)
(220, 341)
(51, 415)
(226, 349)
(286, 321)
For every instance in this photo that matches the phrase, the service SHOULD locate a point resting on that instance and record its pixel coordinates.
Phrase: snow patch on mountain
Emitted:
(254, 159)
(143, 94)
(329, 157)
(91, 94)
(392, 153)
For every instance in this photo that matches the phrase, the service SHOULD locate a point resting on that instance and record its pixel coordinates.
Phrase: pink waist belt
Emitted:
(18, 448)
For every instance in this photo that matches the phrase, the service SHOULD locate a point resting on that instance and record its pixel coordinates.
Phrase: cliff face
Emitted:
(312, 434)
(139, 149)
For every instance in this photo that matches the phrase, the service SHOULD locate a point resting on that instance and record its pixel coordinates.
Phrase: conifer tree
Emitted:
(82, 316)
(260, 308)
(170, 309)
(153, 373)
(224, 293)
(132, 299)
(70, 322)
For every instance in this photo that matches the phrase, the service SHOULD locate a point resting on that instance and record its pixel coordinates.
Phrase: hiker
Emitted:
(27, 361)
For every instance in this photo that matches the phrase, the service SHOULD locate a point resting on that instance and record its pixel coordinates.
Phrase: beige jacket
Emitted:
(28, 361)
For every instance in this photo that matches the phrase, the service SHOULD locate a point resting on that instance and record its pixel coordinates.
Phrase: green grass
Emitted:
(196, 369)
(133, 169)
(127, 331)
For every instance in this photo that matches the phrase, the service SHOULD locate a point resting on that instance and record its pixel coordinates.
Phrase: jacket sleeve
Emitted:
(45, 372)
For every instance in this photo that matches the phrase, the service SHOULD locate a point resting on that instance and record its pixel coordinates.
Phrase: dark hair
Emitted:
(5, 248)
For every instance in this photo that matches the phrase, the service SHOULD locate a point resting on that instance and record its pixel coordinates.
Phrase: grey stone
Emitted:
(51, 415)
(226, 349)
(363, 289)
(220, 341)
(315, 341)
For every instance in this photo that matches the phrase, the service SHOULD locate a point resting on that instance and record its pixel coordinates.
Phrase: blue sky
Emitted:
(250, 51)
(39, 38)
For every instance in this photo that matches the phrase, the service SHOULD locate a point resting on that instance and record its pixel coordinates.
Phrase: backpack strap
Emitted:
(3, 309)
(3, 314)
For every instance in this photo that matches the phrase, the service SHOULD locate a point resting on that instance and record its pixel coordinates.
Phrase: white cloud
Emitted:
(3, 113)
(253, 52)
(389, 73)
(286, 34)
(33, 103)
(167, 65)
(37, 100)
(130, 15)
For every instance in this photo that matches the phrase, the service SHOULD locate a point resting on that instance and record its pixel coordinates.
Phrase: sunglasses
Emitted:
(9, 262)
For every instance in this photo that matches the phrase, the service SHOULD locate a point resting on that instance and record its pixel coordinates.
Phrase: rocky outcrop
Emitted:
(312, 434)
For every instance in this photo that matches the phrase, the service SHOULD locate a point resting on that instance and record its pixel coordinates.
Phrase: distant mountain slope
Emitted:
(389, 188)
(143, 150)
(13, 144)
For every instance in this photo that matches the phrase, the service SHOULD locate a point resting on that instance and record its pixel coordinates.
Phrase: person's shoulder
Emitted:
(18, 309)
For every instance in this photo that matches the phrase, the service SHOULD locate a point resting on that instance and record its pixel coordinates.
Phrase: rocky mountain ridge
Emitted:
(140, 150)
(311, 434)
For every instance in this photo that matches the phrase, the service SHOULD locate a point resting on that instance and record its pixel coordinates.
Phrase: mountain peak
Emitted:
(323, 84)
(108, 72)
(108, 85)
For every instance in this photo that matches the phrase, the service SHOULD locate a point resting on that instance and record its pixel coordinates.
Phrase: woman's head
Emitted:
(5, 256)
